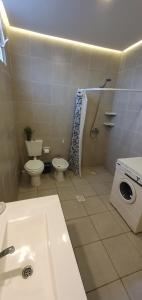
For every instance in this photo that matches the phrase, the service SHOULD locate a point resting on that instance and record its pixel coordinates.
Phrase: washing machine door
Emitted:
(127, 191)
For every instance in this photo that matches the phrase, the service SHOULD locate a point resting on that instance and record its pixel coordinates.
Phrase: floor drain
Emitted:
(27, 272)
(80, 198)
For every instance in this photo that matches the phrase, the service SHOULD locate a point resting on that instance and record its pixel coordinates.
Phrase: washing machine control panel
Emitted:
(127, 172)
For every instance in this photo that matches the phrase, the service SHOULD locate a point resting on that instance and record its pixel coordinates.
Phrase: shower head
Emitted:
(105, 83)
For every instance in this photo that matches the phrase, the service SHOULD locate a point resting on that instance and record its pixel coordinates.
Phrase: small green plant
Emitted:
(28, 133)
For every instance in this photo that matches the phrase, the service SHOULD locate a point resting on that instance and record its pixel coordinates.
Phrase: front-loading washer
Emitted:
(126, 193)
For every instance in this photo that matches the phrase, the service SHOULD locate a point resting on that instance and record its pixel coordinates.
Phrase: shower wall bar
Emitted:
(110, 89)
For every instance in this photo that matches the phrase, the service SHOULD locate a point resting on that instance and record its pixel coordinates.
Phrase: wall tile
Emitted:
(127, 131)
(41, 70)
(20, 44)
(8, 148)
(46, 75)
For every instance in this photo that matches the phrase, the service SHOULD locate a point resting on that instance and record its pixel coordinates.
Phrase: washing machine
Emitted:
(126, 193)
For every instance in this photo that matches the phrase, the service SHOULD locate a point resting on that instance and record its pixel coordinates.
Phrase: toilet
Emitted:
(34, 167)
(60, 165)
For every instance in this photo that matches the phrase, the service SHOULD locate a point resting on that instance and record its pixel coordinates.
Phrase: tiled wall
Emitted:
(8, 147)
(94, 148)
(46, 75)
(125, 138)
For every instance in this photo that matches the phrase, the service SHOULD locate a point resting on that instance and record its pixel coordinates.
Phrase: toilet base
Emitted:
(59, 176)
(35, 180)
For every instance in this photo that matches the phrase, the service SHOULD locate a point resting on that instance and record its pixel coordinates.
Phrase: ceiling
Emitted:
(114, 24)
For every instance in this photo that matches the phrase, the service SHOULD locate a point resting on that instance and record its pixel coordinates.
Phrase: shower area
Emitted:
(95, 133)
(92, 123)
(96, 121)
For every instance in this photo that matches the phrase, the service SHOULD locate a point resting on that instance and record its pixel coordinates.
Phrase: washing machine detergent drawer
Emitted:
(129, 173)
(126, 197)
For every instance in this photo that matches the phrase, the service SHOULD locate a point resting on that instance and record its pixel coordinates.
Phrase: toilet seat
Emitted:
(60, 163)
(34, 165)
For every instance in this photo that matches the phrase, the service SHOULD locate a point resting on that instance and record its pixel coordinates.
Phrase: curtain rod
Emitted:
(109, 89)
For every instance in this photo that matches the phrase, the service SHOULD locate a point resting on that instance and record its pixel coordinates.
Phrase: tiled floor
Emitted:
(108, 254)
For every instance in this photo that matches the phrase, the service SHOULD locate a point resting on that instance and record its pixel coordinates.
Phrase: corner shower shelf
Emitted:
(108, 124)
(110, 114)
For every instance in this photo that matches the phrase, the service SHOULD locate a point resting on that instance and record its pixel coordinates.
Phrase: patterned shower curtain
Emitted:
(77, 134)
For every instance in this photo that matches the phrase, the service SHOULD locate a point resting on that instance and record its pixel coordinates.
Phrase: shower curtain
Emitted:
(77, 134)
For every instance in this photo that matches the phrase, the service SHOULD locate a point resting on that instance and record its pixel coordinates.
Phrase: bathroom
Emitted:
(52, 57)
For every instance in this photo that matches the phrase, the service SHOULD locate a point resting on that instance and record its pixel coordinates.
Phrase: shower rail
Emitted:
(109, 89)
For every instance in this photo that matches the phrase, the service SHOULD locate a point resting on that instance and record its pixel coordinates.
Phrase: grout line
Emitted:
(113, 236)
(99, 240)
(118, 279)
(135, 272)
(132, 242)
(105, 284)
(90, 215)
(74, 218)
(125, 289)
(87, 244)
(62, 201)
(94, 226)
(111, 260)
(115, 267)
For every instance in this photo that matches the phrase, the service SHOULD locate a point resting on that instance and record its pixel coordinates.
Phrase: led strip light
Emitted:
(59, 39)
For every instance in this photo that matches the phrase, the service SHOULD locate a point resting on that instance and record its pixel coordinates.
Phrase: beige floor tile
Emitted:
(99, 177)
(102, 188)
(73, 209)
(81, 232)
(95, 266)
(47, 182)
(87, 171)
(136, 239)
(25, 187)
(76, 180)
(69, 173)
(49, 192)
(92, 179)
(119, 219)
(66, 193)
(27, 195)
(93, 205)
(106, 177)
(66, 183)
(100, 170)
(25, 183)
(85, 189)
(112, 291)
(124, 255)
(133, 285)
(106, 225)
(106, 202)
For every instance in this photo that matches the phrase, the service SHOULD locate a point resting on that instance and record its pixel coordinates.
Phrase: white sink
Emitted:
(37, 230)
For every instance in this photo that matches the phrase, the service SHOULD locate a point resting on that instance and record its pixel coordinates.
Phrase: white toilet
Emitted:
(60, 165)
(34, 167)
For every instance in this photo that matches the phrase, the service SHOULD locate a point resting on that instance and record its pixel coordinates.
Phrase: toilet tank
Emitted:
(34, 148)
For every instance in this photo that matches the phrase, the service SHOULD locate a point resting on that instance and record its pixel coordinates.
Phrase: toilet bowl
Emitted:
(60, 165)
(34, 168)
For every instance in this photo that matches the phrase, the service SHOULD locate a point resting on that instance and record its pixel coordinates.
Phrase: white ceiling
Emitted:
(114, 24)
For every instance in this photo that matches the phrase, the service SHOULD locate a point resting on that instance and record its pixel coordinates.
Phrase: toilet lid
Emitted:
(34, 164)
(60, 162)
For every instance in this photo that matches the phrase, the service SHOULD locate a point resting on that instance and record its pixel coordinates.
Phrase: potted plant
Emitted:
(28, 133)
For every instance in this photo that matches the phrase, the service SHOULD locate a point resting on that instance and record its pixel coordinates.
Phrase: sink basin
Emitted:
(37, 230)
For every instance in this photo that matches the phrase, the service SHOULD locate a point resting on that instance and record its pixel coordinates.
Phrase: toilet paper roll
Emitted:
(46, 150)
